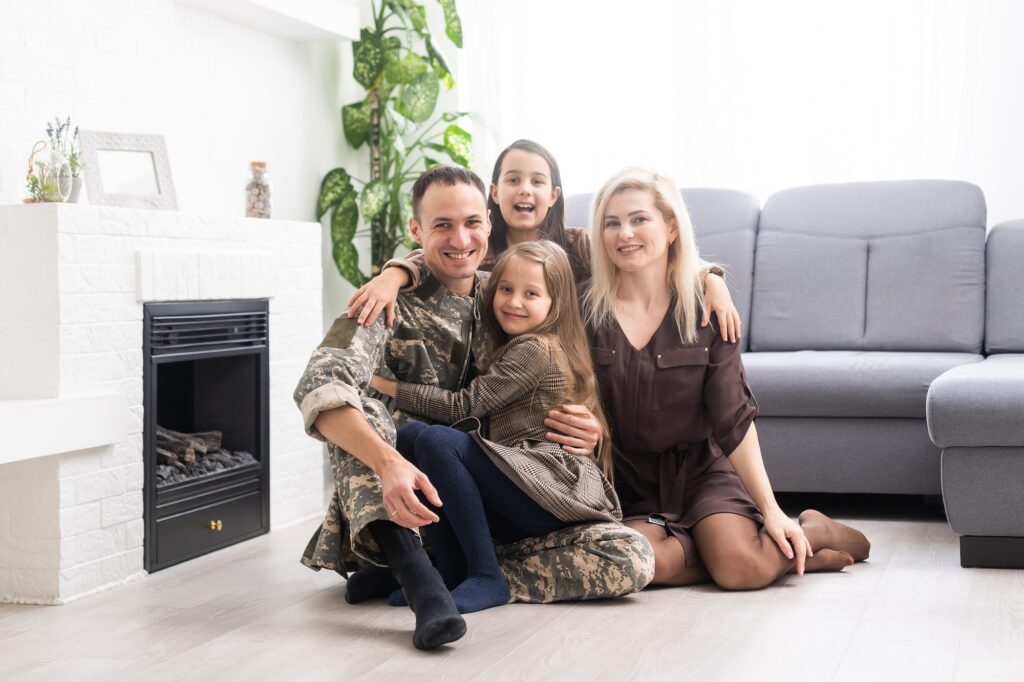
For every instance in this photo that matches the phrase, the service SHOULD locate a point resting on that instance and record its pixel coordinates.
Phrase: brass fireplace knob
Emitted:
(216, 525)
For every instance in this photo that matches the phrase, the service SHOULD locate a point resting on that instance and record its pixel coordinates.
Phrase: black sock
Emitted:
(370, 582)
(448, 556)
(437, 620)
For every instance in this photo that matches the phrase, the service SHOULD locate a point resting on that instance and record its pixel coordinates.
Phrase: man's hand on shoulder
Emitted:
(575, 428)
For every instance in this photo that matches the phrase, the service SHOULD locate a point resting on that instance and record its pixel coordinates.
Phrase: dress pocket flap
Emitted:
(682, 357)
(602, 356)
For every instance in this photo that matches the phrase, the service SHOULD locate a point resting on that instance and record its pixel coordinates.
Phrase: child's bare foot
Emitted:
(825, 560)
(826, 533)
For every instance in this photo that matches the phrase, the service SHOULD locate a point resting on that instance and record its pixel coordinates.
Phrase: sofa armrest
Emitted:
(979, 404)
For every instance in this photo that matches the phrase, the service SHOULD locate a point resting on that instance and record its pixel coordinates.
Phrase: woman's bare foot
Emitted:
(825, 533)
(827, 560)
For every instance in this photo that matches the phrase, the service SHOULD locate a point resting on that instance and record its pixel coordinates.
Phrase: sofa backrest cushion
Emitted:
(896, 265)
(725, 224)
(1004, 290)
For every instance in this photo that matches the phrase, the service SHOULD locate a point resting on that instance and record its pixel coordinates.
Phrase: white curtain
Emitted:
(755, 96)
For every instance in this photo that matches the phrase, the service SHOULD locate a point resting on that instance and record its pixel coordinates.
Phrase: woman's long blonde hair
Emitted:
(683, 274)
(563, 328)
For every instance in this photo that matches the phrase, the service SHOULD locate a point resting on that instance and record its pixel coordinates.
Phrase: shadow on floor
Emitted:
(874, 507)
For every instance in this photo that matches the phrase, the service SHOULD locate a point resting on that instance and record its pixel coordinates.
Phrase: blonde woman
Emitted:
(688, 467)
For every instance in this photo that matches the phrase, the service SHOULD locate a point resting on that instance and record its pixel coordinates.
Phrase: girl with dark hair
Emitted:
(499, 475)
(525, 202)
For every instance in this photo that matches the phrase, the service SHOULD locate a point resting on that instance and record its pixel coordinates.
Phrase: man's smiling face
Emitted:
(452, 226)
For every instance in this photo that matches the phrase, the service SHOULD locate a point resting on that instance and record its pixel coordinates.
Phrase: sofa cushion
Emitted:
(979, 405)
(846, 383)
(1004, 291)
(886, 266)
(725, 225)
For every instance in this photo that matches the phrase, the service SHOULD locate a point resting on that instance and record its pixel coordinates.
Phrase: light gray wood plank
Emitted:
(253, 612)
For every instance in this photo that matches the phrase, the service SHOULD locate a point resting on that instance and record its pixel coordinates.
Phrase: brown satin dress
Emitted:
(676, 409)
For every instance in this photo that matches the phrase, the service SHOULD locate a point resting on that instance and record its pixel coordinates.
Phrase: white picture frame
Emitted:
(127, 170)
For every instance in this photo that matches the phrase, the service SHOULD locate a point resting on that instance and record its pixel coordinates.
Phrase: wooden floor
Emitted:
(253, 612)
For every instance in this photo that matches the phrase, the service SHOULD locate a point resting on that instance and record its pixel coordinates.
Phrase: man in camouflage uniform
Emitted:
(434, 340)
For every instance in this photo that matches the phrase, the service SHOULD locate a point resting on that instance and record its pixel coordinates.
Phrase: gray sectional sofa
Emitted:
(857, 299)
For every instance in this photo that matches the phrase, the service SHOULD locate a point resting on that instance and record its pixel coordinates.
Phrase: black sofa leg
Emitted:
(991, 552)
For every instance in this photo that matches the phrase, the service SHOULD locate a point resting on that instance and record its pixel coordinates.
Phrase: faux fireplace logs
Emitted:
(181, 456)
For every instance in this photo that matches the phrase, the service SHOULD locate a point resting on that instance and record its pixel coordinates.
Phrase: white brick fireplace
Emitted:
(73, 280)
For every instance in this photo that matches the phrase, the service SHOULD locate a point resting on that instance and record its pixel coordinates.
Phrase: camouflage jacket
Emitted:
(435, 336)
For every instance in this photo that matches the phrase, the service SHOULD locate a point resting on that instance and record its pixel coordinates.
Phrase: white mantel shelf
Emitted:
(303, 21)
(38, 428)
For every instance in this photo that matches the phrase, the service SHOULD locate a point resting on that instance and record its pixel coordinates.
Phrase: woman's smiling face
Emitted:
(635, 233)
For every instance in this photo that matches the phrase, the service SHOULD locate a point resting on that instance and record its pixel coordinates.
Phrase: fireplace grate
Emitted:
(212, 331)
(205, 369)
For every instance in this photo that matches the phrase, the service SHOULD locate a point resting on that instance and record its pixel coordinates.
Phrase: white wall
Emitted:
(756, 95)
(220, 93)
(991, 151)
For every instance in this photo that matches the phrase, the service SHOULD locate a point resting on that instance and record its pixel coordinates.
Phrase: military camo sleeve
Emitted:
(339, 369)
(414, 265)
(515, 374)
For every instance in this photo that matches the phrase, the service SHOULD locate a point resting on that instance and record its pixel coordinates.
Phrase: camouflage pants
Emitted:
(343, 541)
(587, 561)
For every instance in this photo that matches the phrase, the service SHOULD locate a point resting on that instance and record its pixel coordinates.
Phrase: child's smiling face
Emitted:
(521, 298)
(524, 192)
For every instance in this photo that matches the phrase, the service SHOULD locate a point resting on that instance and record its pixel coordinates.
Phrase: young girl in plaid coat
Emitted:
(497, 472)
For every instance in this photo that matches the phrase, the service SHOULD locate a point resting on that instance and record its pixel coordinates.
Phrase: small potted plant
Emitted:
(65, 140)
(49, 176)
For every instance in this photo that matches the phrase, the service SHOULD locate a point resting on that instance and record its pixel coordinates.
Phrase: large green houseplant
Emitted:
(402, 71)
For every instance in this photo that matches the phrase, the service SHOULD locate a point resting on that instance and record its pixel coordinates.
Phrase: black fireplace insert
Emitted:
(206, 432)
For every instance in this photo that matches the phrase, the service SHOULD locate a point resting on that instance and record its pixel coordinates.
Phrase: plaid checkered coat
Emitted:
(505, 408)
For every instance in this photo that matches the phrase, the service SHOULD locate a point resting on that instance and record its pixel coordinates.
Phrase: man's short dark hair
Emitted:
(449, 176)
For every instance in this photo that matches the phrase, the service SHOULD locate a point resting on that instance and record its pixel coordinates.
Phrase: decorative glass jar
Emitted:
(257, 192)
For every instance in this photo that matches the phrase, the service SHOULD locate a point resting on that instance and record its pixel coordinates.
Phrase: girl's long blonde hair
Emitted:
(563, 328)
(683, 273)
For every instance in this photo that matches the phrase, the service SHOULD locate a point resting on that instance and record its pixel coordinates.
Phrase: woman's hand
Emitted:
(386, 386)
(789, 536)
(718, 300)
(577, 429)
(380, 293)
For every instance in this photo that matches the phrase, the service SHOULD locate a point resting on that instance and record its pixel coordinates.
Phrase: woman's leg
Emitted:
(440, 452)
(826, 533)
(669, 557)
(739, 555)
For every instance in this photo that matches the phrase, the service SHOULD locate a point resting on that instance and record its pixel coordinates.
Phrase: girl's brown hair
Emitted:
(563, 328)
